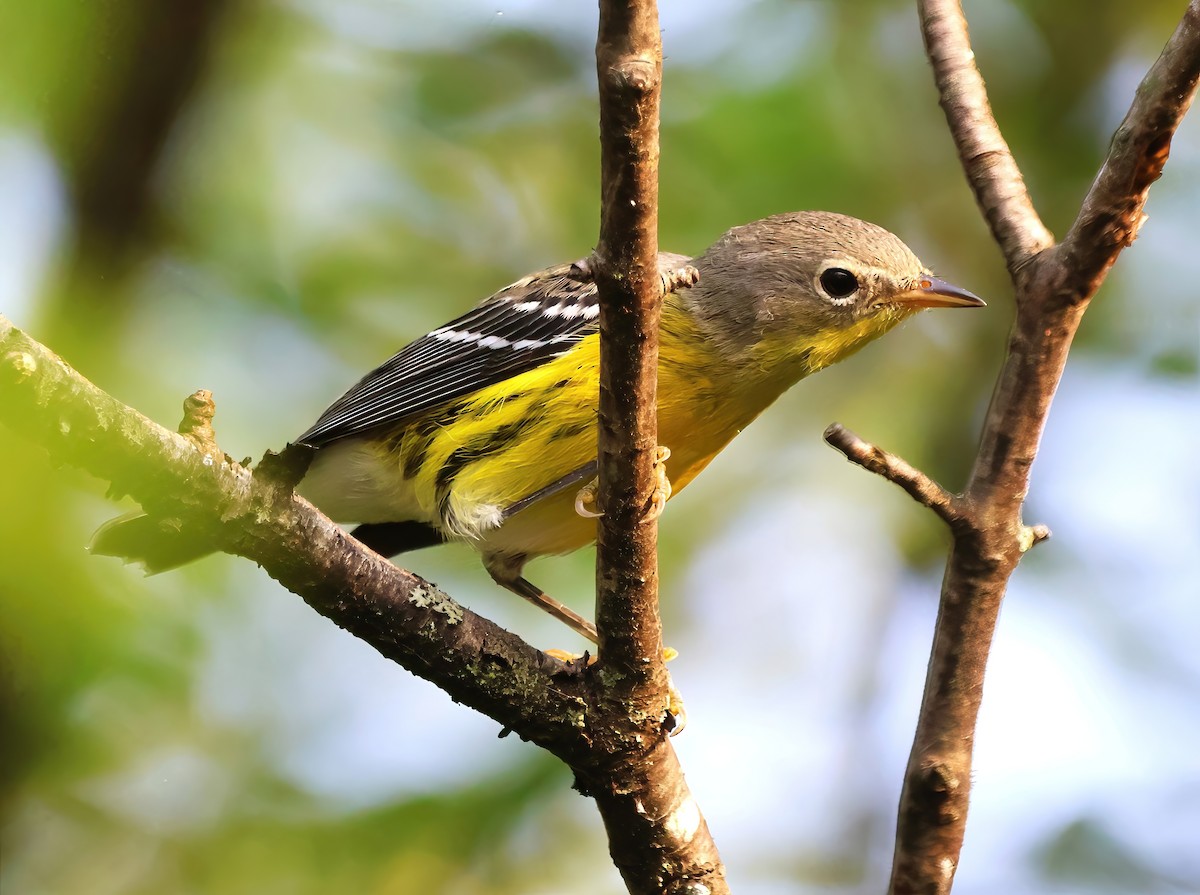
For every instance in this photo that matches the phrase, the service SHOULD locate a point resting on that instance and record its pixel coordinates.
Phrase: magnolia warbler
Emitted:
(484, 430)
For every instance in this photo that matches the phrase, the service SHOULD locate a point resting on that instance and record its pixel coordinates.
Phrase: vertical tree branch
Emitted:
(629, 65)
(163, 50)
(657, 836)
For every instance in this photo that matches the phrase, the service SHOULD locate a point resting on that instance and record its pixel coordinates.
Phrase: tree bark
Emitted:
(657, 836)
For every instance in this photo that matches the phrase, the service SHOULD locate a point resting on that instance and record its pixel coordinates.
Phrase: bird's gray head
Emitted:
(812, 277)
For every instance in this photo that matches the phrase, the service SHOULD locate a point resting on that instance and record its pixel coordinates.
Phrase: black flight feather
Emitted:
(519, 328)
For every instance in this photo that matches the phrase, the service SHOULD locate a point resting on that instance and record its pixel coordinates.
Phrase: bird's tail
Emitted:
(156, 544)
(159, 546)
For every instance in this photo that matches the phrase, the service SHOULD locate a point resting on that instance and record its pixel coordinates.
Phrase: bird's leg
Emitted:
(506, 571)
(523, 587)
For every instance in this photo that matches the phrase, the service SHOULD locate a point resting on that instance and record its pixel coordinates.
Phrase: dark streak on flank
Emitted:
(413, 454)
(414, 441)
(469, 453)
(484, 407)
(574, 430)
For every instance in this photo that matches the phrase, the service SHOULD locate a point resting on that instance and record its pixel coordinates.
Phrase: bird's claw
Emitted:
(585, 498)
(662, 489)
(567, 657)
(676, 713)
(585, 501)
(674, 278)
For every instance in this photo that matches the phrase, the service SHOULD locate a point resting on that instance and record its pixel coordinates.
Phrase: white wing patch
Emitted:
(522, 326)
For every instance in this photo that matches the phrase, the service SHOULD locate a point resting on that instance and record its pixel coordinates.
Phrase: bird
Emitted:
(485, 429)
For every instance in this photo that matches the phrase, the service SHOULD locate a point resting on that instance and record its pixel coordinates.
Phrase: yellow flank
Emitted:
(464, 463)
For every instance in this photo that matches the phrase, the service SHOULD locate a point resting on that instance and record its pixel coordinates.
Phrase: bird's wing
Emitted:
(520, 327)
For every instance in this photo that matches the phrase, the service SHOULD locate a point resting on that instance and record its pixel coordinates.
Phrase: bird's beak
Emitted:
(930, 292)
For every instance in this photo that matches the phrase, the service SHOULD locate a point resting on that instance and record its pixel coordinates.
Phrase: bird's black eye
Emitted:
(839, 282)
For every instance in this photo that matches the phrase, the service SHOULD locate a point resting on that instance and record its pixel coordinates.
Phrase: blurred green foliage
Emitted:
(334, 179)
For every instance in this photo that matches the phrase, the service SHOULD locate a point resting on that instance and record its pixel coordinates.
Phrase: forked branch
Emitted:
(1053, 285)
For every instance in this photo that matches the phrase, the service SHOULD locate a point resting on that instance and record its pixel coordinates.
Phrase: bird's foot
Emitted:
(563, 655)
(675, 278)
(567, 657)
(662, 488)
(676, 713)
(585, 501)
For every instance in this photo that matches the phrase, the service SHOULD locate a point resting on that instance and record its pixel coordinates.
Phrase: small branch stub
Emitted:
(639, 76)
(199, 409)
(22, 363)
(915, 483)
(1032, 535)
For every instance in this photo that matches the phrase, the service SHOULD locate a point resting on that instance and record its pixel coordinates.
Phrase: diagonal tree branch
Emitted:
(657, 834)
(608, 722)
(1112, 212)
(1053, 287)
(407, 619)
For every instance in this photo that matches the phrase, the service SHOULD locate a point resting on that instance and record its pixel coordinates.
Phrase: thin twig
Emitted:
(911, 480)
(1112, 212)
(989, 164)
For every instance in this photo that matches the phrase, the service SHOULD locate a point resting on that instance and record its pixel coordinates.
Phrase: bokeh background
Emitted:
(267, 197)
